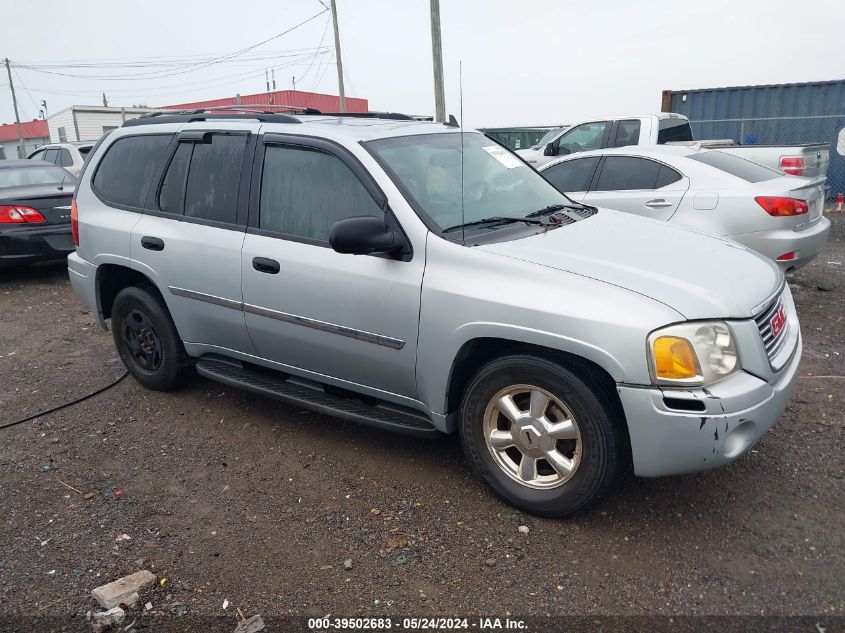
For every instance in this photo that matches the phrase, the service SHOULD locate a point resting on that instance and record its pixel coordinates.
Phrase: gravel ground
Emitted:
(233, 497)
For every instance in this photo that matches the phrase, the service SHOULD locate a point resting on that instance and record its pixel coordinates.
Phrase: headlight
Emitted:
(692, 353)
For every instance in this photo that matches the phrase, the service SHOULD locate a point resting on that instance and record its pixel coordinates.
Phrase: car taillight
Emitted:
(19, 215)
(778, 206)
(788, 257)
(792, 165)
(74, 223)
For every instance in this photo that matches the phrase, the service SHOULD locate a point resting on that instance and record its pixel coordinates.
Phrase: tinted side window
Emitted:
(123, 175)
(623, 172)
(50, 155)
(39, 155)
(670, 130)
(171, 196)
(666, 176)
(305, 191)
(627, 133)
(64, 158)
(211, 190)
(572, 175)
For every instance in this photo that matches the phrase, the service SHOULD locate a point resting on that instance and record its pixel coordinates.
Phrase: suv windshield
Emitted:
(497, 184)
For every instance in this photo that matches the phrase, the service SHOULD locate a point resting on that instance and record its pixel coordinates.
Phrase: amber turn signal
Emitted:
(674, 358)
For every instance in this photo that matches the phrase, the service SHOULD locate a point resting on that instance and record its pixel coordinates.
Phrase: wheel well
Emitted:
(477, 352)
(112, 278)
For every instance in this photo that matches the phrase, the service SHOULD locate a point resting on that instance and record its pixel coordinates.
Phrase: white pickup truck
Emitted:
(667, 127)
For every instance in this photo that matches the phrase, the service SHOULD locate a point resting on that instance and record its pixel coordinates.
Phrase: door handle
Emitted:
(152, 243)
(659, 204)
(265, 265)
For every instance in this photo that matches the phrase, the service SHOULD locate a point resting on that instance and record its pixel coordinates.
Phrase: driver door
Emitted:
(349, 317)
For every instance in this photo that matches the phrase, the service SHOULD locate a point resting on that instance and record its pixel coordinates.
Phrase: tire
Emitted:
(591, 444)
(147, 340)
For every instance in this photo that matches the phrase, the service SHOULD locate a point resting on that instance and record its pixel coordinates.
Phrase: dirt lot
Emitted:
(233, 497)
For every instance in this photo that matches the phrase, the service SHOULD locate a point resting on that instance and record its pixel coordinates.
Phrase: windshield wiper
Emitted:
(552, 208)
(494, 220)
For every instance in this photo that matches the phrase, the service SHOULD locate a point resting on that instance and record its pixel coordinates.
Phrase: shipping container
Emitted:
(787, 114)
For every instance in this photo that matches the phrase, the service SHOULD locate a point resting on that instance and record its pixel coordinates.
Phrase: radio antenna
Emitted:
(461, 102)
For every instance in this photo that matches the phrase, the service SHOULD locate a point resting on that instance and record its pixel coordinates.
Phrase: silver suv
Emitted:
(423, 279)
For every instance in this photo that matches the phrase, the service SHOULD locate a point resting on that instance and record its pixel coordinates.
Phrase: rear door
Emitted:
(349, 317)
(573, 177)
(190, 237)
(638, 185)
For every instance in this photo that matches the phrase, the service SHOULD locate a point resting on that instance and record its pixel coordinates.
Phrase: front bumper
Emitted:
(737, 412)
(805, 244)
(83, 280)
(25, 243)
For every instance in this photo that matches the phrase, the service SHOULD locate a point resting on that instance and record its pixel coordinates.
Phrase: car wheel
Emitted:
(543, 438)
(147, 340)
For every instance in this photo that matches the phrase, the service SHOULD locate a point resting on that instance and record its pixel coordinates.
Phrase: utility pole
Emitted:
(293, 79)
(437, 60)
(21, 152)
(339, 60)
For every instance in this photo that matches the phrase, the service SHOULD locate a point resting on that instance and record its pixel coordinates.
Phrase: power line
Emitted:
(311, 63)
(188, 68)
(26, 90)
(178, 88)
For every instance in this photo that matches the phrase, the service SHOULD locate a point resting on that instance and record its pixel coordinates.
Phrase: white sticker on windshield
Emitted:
(503, 156)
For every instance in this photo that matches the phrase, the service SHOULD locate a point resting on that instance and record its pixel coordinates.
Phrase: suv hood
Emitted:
(697, 275)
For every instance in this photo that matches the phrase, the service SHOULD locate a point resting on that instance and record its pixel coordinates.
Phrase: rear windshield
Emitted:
(673, 130)
(735, 166)
(83, 151)
(25, 176)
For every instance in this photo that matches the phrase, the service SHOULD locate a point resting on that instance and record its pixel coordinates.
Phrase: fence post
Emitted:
(741, 131)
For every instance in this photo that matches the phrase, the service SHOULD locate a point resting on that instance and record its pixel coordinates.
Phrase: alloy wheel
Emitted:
(532, 436)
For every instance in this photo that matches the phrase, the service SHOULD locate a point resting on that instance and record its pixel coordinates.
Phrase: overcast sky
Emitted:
(524, 63)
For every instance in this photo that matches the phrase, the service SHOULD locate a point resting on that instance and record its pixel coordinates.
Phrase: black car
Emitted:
(35, 201)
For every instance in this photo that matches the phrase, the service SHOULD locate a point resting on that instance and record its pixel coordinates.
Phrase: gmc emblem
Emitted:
(778, 322)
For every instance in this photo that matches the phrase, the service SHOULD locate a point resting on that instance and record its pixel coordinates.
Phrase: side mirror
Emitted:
(364, 235)
(550, 150)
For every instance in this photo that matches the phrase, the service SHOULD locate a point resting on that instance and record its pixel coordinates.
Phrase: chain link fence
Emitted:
(518, 137)
(825, 129)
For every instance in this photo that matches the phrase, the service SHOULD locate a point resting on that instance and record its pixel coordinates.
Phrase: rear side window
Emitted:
(211, 191)
(124, 174)
(673, 130)
(627, 133)
(735, 166)
(305, 191)
(572, 175)
(203, 178)
(623, 172)
(65, 159)
(50, 155)
(666, 176)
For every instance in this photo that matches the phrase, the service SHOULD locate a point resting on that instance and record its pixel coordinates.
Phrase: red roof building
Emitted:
(296, 98)
(30, 129)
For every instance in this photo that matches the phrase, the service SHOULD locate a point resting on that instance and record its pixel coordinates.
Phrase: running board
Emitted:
(312, 395)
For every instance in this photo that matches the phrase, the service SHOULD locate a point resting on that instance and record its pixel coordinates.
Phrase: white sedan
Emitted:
(706, 190)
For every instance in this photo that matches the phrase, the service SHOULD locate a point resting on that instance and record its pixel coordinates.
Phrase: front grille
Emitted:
(772, 343)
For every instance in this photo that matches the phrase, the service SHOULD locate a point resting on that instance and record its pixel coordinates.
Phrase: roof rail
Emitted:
(395, 116)
(220, 113)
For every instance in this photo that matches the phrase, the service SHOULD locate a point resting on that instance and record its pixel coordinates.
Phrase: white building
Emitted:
(89, 123)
